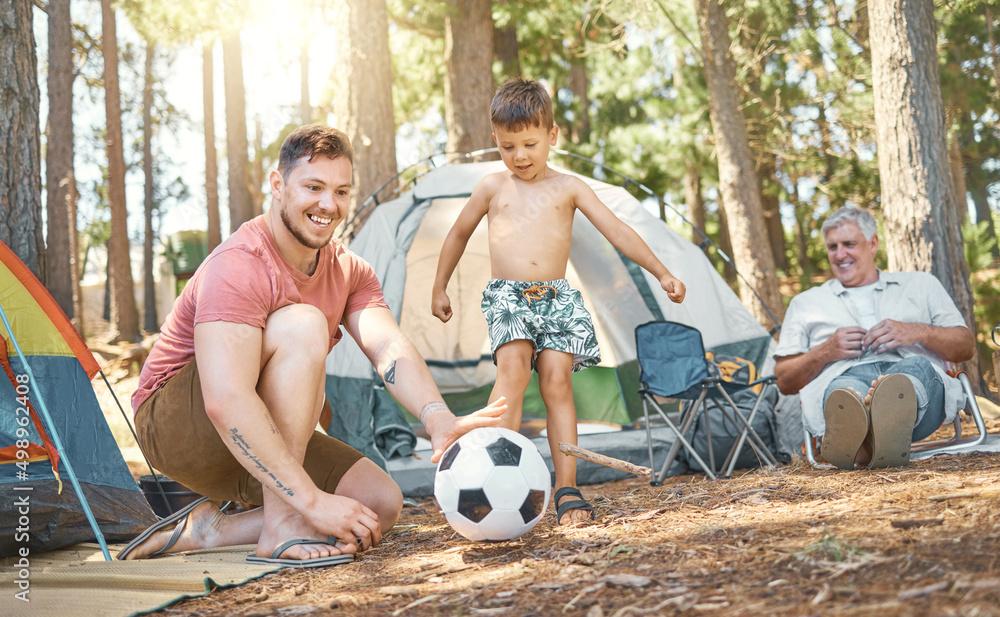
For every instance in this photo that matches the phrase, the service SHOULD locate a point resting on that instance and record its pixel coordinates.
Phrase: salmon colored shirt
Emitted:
(246, 279)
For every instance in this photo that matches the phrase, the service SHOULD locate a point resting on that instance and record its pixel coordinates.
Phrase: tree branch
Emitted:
(41, 5)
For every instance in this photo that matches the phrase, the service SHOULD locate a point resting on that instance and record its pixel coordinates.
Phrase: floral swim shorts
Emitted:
(550, 314)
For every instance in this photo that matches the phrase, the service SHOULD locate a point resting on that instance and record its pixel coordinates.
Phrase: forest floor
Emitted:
(791, 541)
(919, 540)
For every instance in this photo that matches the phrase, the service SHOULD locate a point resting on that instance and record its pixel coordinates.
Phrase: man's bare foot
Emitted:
(197, 529)
(871, 390)
(294, 526)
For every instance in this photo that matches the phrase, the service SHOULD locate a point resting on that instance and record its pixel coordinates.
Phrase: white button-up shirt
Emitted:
(814, 315)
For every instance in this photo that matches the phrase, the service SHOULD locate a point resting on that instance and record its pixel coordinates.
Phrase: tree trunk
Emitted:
(76, 261)
(150, 323)
(738, 188)
(506, 51)
(918, 197)
(772, 212)
(240, 203)
(20, 173)
(211, 157)
(363, 102)
(257, 167)
(468, 86)
(59, 182)
(577, 83)
(305, 109)
(124, 315)
(694, 200)
(994, 56)
(958, 178)
(726, 246)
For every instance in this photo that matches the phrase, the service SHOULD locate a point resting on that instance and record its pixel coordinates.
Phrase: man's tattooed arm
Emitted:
(244, 447)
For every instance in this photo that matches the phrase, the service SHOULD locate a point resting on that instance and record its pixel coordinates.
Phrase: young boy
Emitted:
(536, 319)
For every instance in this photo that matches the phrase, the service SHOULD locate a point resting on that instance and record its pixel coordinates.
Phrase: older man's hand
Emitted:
(889, 334)
(847, 342)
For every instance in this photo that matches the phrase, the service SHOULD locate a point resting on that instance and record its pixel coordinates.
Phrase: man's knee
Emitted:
(368, 483)
(302, 327)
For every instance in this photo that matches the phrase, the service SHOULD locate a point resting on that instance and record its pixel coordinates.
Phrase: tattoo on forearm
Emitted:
(430, 408)
(390, 373)
(245, 449)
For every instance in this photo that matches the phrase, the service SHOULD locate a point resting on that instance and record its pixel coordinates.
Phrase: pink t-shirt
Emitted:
(246, 279)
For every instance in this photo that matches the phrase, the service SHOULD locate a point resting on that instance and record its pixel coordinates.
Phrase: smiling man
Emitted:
(866, 351)
(230, 395)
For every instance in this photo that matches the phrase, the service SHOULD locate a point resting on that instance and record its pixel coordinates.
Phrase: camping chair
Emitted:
(672, 364)
(955, 442)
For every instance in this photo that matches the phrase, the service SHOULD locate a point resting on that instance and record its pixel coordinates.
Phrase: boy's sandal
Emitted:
(575, 504)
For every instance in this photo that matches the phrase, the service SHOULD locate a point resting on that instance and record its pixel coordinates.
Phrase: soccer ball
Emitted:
(492, 484)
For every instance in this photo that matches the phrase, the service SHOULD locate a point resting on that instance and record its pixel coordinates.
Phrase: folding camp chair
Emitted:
(956, 441)
(673, 365)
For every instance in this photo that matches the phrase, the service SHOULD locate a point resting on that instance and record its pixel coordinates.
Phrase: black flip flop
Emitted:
(178, 519)
(576, 504)
(275, 558)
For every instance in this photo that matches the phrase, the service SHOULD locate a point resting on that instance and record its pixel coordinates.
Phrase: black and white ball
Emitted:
(492, 484)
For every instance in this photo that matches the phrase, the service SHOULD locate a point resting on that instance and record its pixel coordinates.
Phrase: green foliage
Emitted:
(978, 246)
(829, 548)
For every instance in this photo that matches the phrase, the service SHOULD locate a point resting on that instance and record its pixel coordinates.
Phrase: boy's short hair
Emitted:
(312, 140)
(859, 216)
(520, 104)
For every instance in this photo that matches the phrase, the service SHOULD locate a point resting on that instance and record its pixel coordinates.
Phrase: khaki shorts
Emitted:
(180, 441)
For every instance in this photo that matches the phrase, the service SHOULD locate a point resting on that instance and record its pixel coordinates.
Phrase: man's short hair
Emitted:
(310, 141)
(850, 214)
(521, 104)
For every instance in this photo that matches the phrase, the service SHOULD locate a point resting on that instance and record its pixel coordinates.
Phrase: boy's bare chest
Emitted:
(541, 208)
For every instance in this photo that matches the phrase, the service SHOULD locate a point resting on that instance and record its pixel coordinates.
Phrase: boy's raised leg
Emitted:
(513, 376)
(555, 371)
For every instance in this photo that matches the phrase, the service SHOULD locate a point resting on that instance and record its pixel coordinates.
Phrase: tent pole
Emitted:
(57, 441)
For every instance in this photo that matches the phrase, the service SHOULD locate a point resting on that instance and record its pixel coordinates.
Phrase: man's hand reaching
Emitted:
(444, 429)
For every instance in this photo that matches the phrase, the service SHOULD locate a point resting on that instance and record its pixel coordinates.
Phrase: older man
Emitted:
(867, 352)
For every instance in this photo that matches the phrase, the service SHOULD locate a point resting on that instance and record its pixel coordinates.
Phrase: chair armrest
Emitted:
(765, 379)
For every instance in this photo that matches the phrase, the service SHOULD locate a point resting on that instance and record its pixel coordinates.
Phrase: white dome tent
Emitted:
(401, 239)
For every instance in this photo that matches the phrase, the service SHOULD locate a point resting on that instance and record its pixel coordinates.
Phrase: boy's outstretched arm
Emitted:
(454, 245)
(626, 240)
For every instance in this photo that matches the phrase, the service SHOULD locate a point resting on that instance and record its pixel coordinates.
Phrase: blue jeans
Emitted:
(926, 381)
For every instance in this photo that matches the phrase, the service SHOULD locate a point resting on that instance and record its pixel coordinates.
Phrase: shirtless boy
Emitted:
(536, 319)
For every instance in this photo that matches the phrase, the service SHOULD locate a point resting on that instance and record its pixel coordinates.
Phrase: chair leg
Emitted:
(755, 441)
(807, 443)
(957, 442)
(730, 463)
(680, 440)
(649, 442)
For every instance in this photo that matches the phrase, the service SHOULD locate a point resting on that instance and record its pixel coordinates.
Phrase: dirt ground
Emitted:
(795, 541)
(919, 540)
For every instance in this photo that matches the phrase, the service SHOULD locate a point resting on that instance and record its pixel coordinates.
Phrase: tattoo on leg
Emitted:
(245, 449)
(430, 408)
(390, 373)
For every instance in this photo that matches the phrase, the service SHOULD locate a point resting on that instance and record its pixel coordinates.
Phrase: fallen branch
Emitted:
(948, 496)
(923, 522)
(601, 459)
(923, 591)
